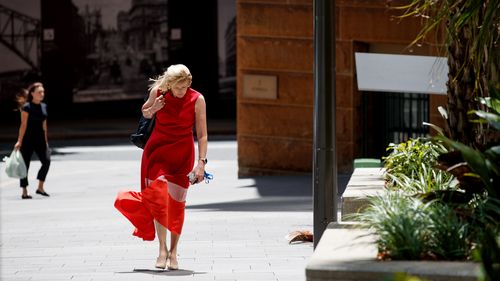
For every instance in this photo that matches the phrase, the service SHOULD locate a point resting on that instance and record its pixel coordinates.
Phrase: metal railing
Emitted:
(392, 118)
(404, 116)
(21, 34)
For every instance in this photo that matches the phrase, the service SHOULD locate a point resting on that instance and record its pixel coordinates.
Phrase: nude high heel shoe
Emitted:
(161, 262)
(172, 265)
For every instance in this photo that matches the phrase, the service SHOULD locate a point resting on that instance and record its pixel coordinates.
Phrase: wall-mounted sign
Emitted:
(260, 86)
(48, 34)
(175, 34)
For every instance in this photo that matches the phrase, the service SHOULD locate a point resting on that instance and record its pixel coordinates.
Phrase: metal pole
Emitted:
(324, 157)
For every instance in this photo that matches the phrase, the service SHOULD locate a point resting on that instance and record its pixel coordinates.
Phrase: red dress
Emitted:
(168, 157)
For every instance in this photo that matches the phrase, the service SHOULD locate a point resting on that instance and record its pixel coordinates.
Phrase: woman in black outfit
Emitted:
(33, 136)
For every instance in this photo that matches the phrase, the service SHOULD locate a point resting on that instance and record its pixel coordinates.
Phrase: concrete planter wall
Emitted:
(347, 253)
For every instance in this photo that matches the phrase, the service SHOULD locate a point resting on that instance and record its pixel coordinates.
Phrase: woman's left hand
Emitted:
(199, 173)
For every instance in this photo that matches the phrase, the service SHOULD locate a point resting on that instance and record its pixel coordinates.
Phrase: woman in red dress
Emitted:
(167, 160)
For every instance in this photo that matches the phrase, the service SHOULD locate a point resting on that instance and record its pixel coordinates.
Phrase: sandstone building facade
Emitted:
(275, 43)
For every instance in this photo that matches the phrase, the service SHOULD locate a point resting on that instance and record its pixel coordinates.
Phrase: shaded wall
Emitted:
(63, 55)
(198, 47)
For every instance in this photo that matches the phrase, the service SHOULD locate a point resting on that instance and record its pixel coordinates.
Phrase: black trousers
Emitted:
(39, 146)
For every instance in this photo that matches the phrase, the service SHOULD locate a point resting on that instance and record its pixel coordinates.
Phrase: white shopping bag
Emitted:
(15, 166)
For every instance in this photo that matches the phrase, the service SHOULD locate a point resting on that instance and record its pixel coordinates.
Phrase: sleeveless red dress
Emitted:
(168, 157)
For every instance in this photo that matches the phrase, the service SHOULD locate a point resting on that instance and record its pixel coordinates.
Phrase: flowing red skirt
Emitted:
(153, 203)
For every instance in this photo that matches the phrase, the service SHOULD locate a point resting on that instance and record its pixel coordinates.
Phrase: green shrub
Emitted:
(415, 160)
(429, 179)
(397, 221)
(408, 229)
(449, 233)
(407, 157)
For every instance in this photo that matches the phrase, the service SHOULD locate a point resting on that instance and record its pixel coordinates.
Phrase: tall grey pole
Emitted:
(324, 157)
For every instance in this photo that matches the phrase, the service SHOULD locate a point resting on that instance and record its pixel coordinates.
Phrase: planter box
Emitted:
(345, 253)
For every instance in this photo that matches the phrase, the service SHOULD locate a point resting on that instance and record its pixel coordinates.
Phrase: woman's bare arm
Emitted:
(44, 124)
(202, 136)
(22, 129)
(153, 104)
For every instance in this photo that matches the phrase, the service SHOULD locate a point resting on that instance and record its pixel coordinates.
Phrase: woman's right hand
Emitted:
(158, 104)
(17, 145)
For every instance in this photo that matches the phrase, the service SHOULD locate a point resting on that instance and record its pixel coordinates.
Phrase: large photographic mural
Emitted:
(106, 50)
(125, 44)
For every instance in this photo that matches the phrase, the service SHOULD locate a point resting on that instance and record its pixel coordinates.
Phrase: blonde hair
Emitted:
(174, 74)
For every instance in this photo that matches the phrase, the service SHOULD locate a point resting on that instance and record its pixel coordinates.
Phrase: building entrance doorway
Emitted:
(392, 118)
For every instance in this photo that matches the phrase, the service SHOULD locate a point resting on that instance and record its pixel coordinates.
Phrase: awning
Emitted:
(401, 73)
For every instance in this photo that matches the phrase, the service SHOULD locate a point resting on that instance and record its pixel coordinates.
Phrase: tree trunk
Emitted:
(461, 77)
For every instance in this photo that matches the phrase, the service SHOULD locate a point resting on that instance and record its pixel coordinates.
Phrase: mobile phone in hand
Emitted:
(192, 178)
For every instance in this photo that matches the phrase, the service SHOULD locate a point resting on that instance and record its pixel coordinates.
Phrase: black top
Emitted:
(37, 113)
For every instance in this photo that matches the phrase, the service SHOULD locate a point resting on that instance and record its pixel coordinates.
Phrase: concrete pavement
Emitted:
(234, 228)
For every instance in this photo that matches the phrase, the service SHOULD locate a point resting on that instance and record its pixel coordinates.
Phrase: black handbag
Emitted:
(140, 138)
(144, 130)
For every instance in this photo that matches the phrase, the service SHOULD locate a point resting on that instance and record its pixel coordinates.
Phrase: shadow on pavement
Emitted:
(180, 272)
(277, 194)
(289, 186)
(272, 204)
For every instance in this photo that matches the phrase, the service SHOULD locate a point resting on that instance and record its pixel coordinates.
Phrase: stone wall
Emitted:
(274, 38)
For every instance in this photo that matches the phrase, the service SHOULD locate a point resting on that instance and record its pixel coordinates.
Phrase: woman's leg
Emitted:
(43, 153)
(26, 152)
(161, 232)
(40, 185)
(172, 258)
(177, 201)
(25, 194)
